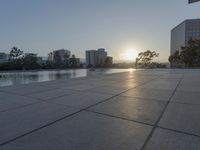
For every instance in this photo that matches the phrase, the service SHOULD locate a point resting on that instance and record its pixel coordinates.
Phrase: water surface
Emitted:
(25, 77)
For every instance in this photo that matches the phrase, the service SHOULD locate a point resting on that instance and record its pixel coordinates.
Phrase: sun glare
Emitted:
(129, 55)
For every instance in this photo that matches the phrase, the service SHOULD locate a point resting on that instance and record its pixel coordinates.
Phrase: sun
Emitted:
(129, 55)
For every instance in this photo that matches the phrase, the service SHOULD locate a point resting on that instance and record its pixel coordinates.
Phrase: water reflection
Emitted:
(25, 77)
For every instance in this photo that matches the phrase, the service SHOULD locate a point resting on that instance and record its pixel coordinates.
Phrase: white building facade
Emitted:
(91, 58)
(96, 58)
(101, 56)
(59, 56)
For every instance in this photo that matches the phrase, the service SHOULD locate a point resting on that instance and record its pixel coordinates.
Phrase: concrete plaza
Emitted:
(139, 110)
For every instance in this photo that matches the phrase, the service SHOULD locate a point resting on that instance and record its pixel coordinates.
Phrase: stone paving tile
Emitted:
(11, 88)
(19, 121)
(141, 80)
(28, 89)
(187, 97)
(159, 87)
(9, 101)
(162, 95)
(69, 83)
(169, 140)
(85, 131)
(182, 117)
(108, 90)
(166, 81)
(190, 82)
(109, 83)
(81, 99)
(189, 88)
(132, 109)
(171, 76)
(135, 80)
(125, 85)
(162, 84)
(46, 95)
(79, 87)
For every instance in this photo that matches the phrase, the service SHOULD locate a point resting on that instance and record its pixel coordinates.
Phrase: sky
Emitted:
(41, 26)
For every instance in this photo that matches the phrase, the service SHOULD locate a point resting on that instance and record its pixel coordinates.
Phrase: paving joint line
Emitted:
(64, 105)
(38, 101)
(122, 118)
(18, 107)
(184, 103)
(119, 94)
(162, 113)
(147, 99)
(25, 95)
(62, 118)
(178, 131)
(37, 129)
(143, 123)
(49, 99)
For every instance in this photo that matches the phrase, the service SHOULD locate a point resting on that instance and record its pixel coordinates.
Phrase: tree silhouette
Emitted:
(73, 61)
(15, 54)
(146, 57)
(189, 55)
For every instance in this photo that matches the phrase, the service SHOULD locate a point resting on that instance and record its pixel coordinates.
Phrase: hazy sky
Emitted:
(41, 26)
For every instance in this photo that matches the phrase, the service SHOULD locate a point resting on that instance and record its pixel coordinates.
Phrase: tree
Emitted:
(30, 61)
(16, 58)
(108, 62)
(146, 57)
(175, 59)
(73, 61)
(67, 59)
(136, 62)
(188, 56)
(15, 54)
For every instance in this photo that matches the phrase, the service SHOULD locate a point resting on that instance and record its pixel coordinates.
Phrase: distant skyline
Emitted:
(41, 26)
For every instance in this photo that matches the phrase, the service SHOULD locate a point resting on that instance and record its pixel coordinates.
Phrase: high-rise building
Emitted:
(61, 55)
(91, 58)
(97, 58)
(181, 34)
(101, 56)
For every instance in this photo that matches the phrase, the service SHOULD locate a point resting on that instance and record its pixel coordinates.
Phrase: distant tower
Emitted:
(97, 58)
(101, 56)
(91, 58)
(61, 55)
